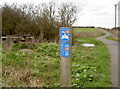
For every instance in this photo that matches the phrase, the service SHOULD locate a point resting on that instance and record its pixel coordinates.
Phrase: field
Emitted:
(40, 66)
(86, 32)
(77, 30)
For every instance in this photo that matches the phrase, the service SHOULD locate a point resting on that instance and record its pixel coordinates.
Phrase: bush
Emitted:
(19, 46)
(49, 49)
(81, 74)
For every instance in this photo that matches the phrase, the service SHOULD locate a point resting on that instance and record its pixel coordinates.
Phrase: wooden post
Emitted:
(33, 41)
(65, 64)
(65, 72)
(9, 43)
(3, 43)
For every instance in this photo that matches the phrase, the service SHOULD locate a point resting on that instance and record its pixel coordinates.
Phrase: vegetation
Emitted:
(112, 38)
(114, 31)
(42, 21)
(92, 60)
(86, 32)
(40, 65)
(77, 30)
(115, 34)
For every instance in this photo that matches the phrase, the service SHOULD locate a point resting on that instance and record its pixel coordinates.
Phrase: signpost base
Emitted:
(65, 72)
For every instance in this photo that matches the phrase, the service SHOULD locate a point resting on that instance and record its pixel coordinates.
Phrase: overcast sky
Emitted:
(99, 13)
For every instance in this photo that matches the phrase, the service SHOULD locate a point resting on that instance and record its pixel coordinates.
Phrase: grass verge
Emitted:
(111, 38)
(95, 63)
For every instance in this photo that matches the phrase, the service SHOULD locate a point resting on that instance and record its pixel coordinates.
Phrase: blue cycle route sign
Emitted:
(64, 34)
(65, 49)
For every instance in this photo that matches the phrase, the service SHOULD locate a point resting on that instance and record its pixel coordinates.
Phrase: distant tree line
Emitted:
(117, 28)
(83, 26)
(41, 21)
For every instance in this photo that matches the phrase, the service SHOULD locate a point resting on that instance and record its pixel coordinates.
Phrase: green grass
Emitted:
(43, 63)
(96, 59)
(77, 30)
(110, 38)
(90, 65)
(87, 32)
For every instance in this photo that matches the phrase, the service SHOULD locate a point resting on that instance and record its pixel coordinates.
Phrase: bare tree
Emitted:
(67, 13)
(42, 21)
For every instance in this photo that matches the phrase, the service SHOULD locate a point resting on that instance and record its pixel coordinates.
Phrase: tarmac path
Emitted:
(113, 50)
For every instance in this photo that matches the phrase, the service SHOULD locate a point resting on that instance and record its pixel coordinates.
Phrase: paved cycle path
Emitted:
(113, 50)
